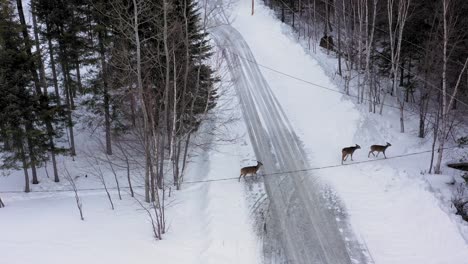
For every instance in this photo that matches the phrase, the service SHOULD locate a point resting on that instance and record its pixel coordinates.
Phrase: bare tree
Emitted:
(70, 180)
(155, 213)
(127, 166)
(111, 166)
(447, 99)
(369, 48)
(95, 169)
(102, 54)
(396, 27)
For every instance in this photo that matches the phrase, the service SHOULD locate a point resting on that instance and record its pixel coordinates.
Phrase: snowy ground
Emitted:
(207, 222)
(392, 207)
(398, 212)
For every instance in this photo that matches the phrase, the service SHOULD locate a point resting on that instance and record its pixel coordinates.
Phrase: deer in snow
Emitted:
(348, 151)
(378, 148)
(250, 170)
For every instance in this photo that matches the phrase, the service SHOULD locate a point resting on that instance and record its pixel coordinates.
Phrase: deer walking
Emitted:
(250, 170)
(378, 148)
(348, 151)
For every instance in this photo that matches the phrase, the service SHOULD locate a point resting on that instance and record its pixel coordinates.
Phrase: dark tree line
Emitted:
(415, 51)
(141, 66)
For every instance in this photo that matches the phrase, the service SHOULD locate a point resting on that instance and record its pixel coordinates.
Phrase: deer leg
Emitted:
(240, 177)
(352, 156)
(384, 154)
(370, 153)
(378, 154)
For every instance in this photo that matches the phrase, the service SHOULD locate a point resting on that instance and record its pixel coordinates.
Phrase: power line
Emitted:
(382, 56)
(71, 190)
(235, 178)
(314, 84)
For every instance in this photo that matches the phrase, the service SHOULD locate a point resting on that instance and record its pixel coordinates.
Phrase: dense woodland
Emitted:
(140, 66)
(414, 51)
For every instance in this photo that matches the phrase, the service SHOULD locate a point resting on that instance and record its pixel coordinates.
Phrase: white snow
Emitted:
(392, 207)
(207, 222)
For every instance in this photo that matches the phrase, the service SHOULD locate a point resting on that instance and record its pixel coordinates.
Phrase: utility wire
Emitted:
(383, 56)
(283, 172)
(235, 178)
(309, 82)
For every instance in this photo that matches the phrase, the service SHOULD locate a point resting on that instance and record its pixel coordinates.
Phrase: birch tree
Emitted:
(396, 26)
(448, 98)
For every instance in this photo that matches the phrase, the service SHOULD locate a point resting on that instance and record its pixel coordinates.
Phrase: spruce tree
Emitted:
(19, 106)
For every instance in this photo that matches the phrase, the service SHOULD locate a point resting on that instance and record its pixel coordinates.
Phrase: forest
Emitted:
(141, 114)
(139, 66)
(414, 51)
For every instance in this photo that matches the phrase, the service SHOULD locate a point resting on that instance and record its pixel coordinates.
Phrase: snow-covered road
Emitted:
(391, 208)
(307, 227)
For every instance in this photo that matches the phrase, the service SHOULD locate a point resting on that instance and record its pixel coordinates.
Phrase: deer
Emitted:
(250, 170)
(348, 151)
(378, 148)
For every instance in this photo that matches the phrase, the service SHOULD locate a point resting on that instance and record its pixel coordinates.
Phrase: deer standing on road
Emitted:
(378, 148)
(250, 170)
(348, 151)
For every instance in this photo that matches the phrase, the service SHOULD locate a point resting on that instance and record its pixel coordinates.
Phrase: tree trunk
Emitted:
(175, 173)
(184, 162)
(54, 161)
(338, 17)
(176, 165)
(436, 134)
(396, 36)
(24, 160)
(70, 87)
(42, 74)
(402, 120)
(27, 41)
(165, 126)
(68, 100)
(282, 12)
(132, 107)
(422, 119)
(32, 156)
(437, 169)
(292, 13)
(78, 78)
(423, 104)
(146, 128)
(107, 122)
(128, 176)
(52, 65)
(402, 73)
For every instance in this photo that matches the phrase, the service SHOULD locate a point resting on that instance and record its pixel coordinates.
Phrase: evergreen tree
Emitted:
(19, 106)
(64, 23)
(200, 80)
